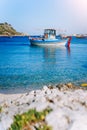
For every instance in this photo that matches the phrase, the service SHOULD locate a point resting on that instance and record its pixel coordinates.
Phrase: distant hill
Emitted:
(7, 30)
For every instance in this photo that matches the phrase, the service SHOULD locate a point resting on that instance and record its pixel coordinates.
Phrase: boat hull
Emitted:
(55, 42)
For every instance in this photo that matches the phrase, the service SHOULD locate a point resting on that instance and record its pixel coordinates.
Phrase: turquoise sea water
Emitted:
(25, 67)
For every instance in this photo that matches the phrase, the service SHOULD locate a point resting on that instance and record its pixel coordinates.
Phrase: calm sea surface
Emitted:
(25, 67)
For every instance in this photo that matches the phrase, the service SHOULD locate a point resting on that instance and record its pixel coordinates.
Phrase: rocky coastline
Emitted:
(6, 29)
(67, 102)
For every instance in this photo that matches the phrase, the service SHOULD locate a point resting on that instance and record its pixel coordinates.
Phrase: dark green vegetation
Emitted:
(0, 109)
(8, 30)
(31, 118)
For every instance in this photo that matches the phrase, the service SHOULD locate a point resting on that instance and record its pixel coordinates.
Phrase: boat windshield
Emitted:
(50, 31)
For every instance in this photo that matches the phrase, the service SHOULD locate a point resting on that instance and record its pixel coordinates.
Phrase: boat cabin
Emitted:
(50, 34)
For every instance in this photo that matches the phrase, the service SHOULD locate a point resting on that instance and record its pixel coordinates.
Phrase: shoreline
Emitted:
(67, 101)
(25, 89)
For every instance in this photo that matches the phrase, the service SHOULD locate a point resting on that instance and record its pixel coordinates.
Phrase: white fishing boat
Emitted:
(49, 39)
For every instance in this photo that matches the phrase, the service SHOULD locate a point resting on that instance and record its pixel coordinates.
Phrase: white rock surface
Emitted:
(69, 107)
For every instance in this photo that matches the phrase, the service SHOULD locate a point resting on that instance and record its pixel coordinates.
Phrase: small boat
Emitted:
(49, 39)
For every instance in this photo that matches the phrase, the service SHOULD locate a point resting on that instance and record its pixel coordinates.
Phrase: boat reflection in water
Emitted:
(51, 54)
(68, 51)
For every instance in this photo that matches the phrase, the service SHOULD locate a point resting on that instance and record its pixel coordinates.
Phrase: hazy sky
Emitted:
(32, 16)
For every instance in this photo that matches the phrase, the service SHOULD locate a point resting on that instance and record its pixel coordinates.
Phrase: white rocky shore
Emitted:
(68, 104)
